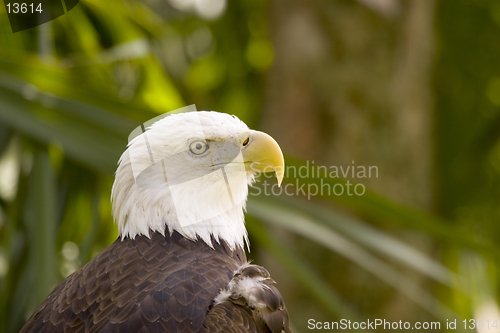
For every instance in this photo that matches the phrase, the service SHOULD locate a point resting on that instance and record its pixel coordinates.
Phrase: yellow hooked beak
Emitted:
(262, 154)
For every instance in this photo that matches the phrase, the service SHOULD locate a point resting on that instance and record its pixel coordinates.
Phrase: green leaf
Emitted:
(385, 210)
(370, 237)
(300, 223)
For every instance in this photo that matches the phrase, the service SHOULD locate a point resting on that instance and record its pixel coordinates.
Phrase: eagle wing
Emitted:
(230, 317)
(157, 284)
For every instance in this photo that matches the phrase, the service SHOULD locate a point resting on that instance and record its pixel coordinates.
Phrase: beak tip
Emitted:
(279, 177)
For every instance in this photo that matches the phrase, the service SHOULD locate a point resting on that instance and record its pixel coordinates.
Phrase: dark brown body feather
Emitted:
(161, 284)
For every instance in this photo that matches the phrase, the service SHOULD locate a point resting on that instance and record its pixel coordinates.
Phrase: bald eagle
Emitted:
(179, 263)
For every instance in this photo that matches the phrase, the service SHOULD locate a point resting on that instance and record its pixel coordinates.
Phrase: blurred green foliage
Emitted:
(73, 89)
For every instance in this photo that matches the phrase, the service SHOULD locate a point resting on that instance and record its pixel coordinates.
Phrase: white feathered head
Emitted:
(190, 172)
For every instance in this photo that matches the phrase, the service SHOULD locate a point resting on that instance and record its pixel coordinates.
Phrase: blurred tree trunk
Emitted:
(345, 83)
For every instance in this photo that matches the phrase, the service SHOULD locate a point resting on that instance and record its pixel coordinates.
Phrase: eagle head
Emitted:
(189, 173)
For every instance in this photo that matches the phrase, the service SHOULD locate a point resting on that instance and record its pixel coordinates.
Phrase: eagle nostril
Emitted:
(246, 141)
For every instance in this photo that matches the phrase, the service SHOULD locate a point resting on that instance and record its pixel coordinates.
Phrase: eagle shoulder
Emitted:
(250, 303)
(162, 283)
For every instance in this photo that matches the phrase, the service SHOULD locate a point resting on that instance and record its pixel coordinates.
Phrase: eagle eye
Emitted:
(198, 147)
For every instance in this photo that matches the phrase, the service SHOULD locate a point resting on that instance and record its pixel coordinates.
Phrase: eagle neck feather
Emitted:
(140, 211)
